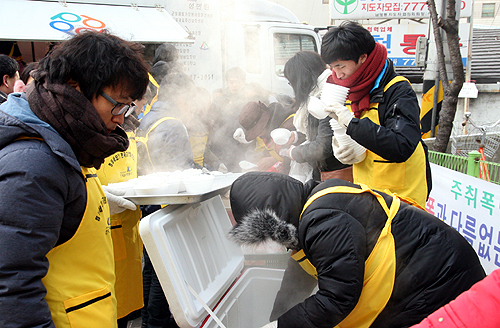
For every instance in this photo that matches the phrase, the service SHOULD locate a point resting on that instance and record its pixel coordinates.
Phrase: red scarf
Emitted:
(363, 80)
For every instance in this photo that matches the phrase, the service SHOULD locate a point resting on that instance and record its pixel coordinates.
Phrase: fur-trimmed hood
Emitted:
(260, 225)
(267, 205)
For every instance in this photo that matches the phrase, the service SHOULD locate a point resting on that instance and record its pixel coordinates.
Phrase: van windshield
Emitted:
(287, 45)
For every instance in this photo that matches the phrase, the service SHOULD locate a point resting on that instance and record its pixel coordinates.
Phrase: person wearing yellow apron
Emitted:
(382, 114)
(257, 121)
(127, 243)
(162, 138)
(56, 260)
(376, 260)
(94, 303)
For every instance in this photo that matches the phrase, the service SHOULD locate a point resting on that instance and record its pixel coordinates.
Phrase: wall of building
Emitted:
(486, 21)
(485, 109)
(312, 12)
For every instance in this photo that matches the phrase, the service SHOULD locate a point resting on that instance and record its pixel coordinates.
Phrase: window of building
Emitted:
(488, 10)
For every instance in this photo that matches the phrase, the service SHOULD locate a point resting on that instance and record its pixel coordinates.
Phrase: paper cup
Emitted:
(337, 128)
(317, 108)
(281, 136)
(332, 93)
(347, 141)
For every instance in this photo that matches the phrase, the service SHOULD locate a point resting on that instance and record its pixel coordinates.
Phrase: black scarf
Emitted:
(77, 121)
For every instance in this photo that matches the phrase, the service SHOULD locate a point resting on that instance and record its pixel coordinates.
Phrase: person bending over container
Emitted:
(379, 262)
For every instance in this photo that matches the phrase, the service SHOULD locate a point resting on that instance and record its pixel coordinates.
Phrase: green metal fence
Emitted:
(471, 165)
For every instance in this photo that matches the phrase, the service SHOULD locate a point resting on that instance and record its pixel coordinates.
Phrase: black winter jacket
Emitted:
(318, 152)
(399, 133)
(42, 202)
(337, 232)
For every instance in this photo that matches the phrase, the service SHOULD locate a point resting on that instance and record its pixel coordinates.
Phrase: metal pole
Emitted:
(434, 105)
(473, 164)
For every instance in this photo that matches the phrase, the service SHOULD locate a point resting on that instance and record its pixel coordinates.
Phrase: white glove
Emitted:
(273, 324)
(272, 99)
(117, 204)
(341, 113)
(222, 168)
(348, 153)
(239, 135)
(287, 152)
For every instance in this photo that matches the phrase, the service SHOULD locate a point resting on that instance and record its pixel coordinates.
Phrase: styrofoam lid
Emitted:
(188, 244)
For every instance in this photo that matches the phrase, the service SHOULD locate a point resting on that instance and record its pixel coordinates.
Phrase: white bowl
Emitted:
(334, 93)
(330, 87)
(281, 136)
(316, 108)
(149, 189)
(247, 166)
(198, 184)
(127, 186)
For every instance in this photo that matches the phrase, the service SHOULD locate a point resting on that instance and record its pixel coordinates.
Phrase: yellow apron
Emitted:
(261, 145)
(155, 98)
(407, 179)
(198, 144)
(380, 266)
(271, 148)
(127, 243)
(144, 140)
(81, 276)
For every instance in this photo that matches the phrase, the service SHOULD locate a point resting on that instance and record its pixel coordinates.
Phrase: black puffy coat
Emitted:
(337, 232)
(318, 152)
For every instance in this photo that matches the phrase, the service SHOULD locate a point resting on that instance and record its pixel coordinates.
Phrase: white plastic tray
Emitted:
(222, 184)
(179, 198)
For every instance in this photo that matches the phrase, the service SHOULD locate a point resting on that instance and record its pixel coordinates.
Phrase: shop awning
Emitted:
(37, 20)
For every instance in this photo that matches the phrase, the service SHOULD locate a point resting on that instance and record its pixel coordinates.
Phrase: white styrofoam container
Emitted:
(188, 245)
(249, 302)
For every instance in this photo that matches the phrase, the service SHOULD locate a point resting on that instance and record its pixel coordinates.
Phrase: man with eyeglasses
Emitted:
(56, 255)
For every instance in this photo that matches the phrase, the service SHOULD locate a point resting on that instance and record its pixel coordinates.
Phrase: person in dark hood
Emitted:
(378, 261)
(57, 261)
(165, 61)
(163, 140)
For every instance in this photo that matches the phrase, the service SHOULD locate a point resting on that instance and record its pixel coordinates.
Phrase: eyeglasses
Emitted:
(119, 108)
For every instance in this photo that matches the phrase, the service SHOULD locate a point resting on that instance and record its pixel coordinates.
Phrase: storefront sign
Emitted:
(401, 40)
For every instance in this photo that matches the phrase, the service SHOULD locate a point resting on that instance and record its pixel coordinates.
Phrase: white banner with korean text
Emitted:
(472, 207)
(386, 9)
